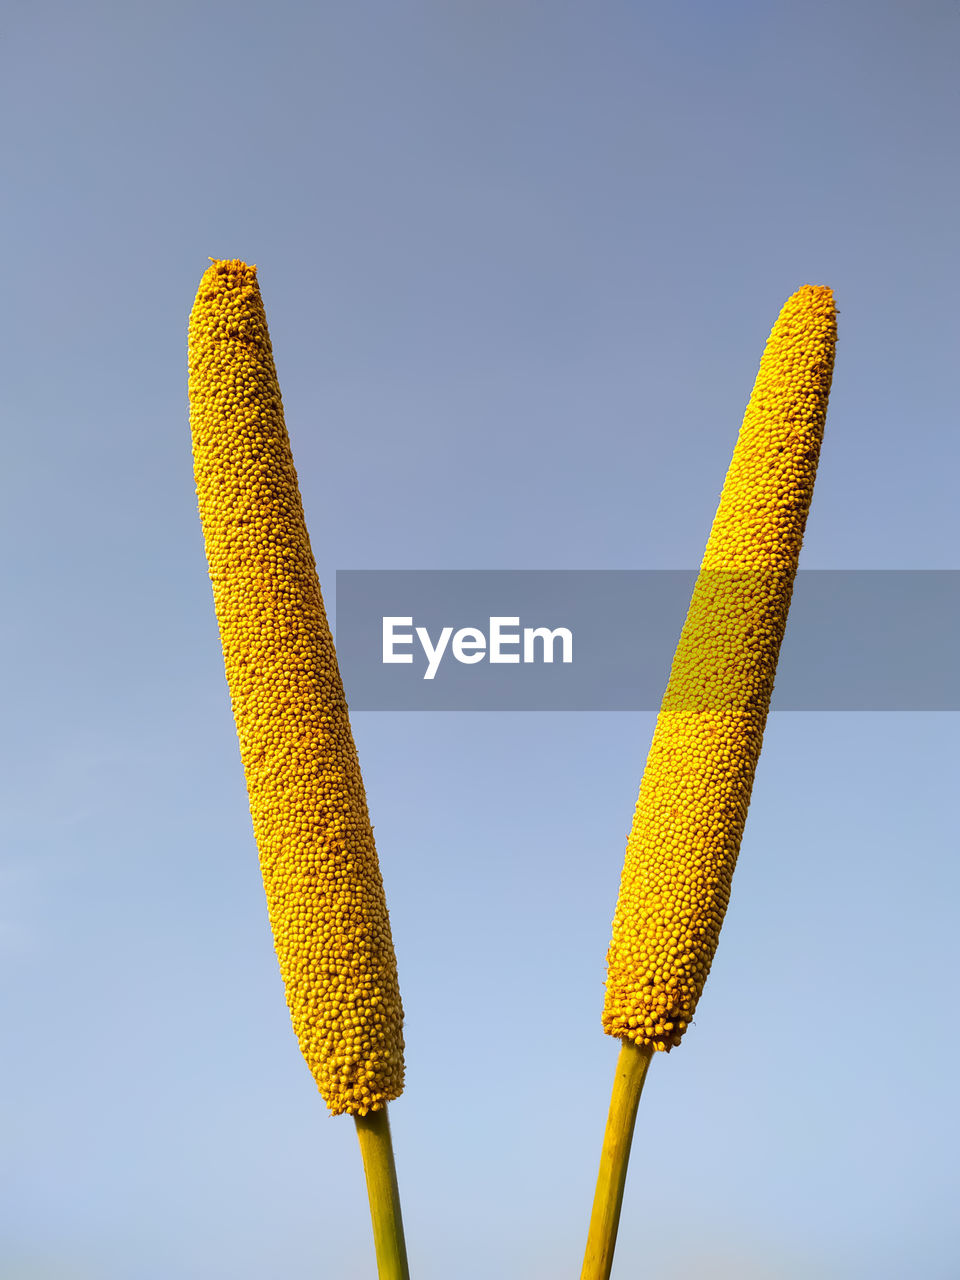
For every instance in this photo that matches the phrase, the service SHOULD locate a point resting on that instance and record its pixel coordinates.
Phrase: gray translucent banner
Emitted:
(478, 640)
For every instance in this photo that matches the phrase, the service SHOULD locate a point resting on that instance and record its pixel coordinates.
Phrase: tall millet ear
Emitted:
(696, 786)
(320, 870)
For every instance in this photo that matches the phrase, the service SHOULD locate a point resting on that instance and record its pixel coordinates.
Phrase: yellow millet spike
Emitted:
(320, 870)
(696, 785)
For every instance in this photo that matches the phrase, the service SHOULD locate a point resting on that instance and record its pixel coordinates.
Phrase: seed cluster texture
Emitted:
(317, 854)
(696, 786)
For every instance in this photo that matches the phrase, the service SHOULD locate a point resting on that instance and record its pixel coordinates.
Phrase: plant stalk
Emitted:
(605, 1219)
(373, 1130)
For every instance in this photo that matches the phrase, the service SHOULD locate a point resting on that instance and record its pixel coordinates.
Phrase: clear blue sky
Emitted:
(519, 262)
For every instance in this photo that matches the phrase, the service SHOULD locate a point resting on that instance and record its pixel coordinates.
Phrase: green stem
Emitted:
(605, 1218)
(373, 1130)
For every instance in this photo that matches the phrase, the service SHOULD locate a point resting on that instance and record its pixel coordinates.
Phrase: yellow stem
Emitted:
(373, 1130)
(605, 1219)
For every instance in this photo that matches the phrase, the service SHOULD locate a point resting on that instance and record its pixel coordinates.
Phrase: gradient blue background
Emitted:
(519, 262)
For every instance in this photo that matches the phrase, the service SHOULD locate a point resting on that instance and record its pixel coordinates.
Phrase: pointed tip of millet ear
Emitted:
(820, 294)
(231, 264)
